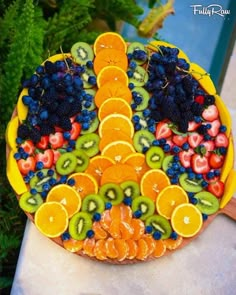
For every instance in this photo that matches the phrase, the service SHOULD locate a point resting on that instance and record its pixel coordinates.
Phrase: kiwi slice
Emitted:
(143, 139)
(66, 163)
(207, 202)
(89, 143)
(30, 203)
(85, 77)
(82, 160)
(93, 203)
(161, 224)
(142, 120)
(93, 126)
(167, 162)
(137, 46)
(82, 52)
(140, 76)
(145, 205)
(190, 185)
(111, 192)
(154, 157)
(130, 188)
(37, 182)
(144, 95)
(79, 224)
(92, 106)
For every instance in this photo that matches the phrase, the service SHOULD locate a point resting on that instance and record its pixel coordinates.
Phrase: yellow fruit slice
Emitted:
(186, 220)
(118, 150)
(225, 116)
(230, 188)
(51, 219)
(114, 106)
(11, 133)
(169, 198)
(58, 56)
(203, 78)
(109, 40)
(67, 196)
(228, 163)
(112, 73)
(22, 109)
(14, 176)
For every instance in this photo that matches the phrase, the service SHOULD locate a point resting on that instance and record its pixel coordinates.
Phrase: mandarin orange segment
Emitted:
(122, 249)
(110, 57)
(118, 173)
(115, 106)
(139, 228)
(169, 198)
(99, 232)
(85, 184)
(67, 196)
(106, 220)
(118, 150)
(109, 40)
(125, 213)
(88, 246)
(73, 245)
(160, 249)
(116, 122)
(143, 250)
(114, 229)
(110, 90)
(172, 244)
(111, 250)
(138, 161)
(153, 182)
(112, 73)
(100, 250)
(51, 219)
(126, 230)
(97, 166)
(115, 213)
(133, 249)
(150, 242)
(111, 137)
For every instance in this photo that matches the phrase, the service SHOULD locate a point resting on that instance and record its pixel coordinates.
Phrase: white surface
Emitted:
(207, 266)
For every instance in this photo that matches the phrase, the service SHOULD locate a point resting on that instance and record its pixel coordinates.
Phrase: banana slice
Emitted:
(230, 188)
(11, 133)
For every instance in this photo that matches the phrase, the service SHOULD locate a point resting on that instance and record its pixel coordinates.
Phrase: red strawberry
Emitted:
(56, 155)
(216, 188)
(199, 99)
(75, 131)
(56, 140)
(209, 145)
(200, 164)
(211, 113)
(43, 143)
(216, 161)
(192, 125)
(221, 140)
(215, 126)
(25, 166)
(179, 140)
(163, 130)
(195, 139)
(185, 157)
(46, 157)
(28, 147)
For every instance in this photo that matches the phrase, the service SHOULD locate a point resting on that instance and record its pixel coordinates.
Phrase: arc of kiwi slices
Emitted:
(30, 203)
(82, 160)
(144, 95)
(154, 157)
(140, 76)
(207, 202)
(79, 224)
(161, 224)
(93, 125)
(89, 143)
(111, 192)
(37, 182)
(137, 46)
(85, 77)
(143, 139)
(66, 163)
(145, 205)
(130, 188)
(82, 52)
(93, 203)
(190, 185)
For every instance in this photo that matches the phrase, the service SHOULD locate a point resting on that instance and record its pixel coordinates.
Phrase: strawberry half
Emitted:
(209, 146)
(195, 139)
(46, 157)
(26, 165)
(163, 130)
(43, 143)
(216, 188)
(185, 158)
(211, 113)
(179, 140)
(221, 140)
(216, 160)
(215, 127)
(75, 131)
(28, 147)
(192, 125)
(56, 140)
(200, 164)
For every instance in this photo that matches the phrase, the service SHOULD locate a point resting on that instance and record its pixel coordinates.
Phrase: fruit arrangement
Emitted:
(118, 151)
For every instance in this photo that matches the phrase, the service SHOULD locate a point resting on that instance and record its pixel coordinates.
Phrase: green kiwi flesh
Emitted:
(145, 205)
(93, 203)
(160, 224)
(190, 185)
(66, 163)
(140, 76)
(111, 192)
(154, 157)
(130, 188)
(82, 160)
(30, 203)
(141, 92)
(37, 182)
(79, 224)
(143, 139)
(93, 125)
(85, 77)
(81, 53)
(136, 46)
(167, 162)
(207, 203)
(89, 143)
(92, 107)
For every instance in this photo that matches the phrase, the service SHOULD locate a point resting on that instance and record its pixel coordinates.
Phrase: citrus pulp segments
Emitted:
(109, 40)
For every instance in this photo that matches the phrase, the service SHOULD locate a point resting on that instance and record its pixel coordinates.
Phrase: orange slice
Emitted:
(110, 90)
(160, 249)
(186, 220)
(112, 73)
(118, 173)
(169, 198)
(97, 166)
(110, 57)
(88, 246)
(115, 135)
(152, 182)
(111, 250)
(114, 106)
(67, 196)
(137, 161)
(172, 244)
(143, 250)
(118, 150)
(99, 232)
(109, 40)
(122, 249)
(133, 249)
(51, 219)
(100, 250)
(85, 184)
(116, 122)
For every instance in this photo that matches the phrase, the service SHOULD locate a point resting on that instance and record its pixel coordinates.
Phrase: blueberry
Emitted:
(162, 141)
(156, 235)
(174, 180)
(185, 146)
(71, 181)
(166, 147)
(174, 235)
(152, 130)
(210, 175)
(182, 169)
(90, 233)
(193, 200)
(132, 64)
(204, 216)
(89, 64)
(92, 80)
(96, 216)
(130, 74)
(217, 172)
(136, 119)
(44, 194)
(146, 113)
(66, 135)
(108, 206)
(137, 126)
(51, 172)
(199, 176)
(85, 126)
(46, 186)
(26, 179)
(33, 191)
(39, 165)
(191, 175)
(204, 183)
(148, 229)
(52, 181)
(43, 115)
(65, 236)
(156, 142)
(176, 149)
(127, 201)
(17, 156)
(170, 172)
(137, 214)
(131, 86)
(223, 128)
(26, 99)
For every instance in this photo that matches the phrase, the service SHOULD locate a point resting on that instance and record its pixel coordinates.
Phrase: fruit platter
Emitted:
(121, 152)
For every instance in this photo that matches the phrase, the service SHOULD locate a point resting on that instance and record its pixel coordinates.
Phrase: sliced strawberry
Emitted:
(43, 143)
(200, 164)
(28, 147)
(56, 140)
(179, 140)
(25, 166)
(46, 157)
(185, 157)
(56, 155)
(211, 113)
(75, 131)
(195, 139)
(209, 145)
(216, 161)
(199, 99)
(215, 127)
(221, 140)
(192, 125)
(163, 130)
(216, 188)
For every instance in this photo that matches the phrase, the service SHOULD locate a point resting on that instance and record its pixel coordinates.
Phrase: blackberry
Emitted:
(175, 115)
(35, 135)
(65, 123)
(189, 116)
(209, 100)
(23, 131)
(75, 108)
(63, 108)
(183, 125)
(188, 84)
(46, 129)
(50, 67)
(197, 109)
(202, 129)
(185, 106)
(156, 115)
